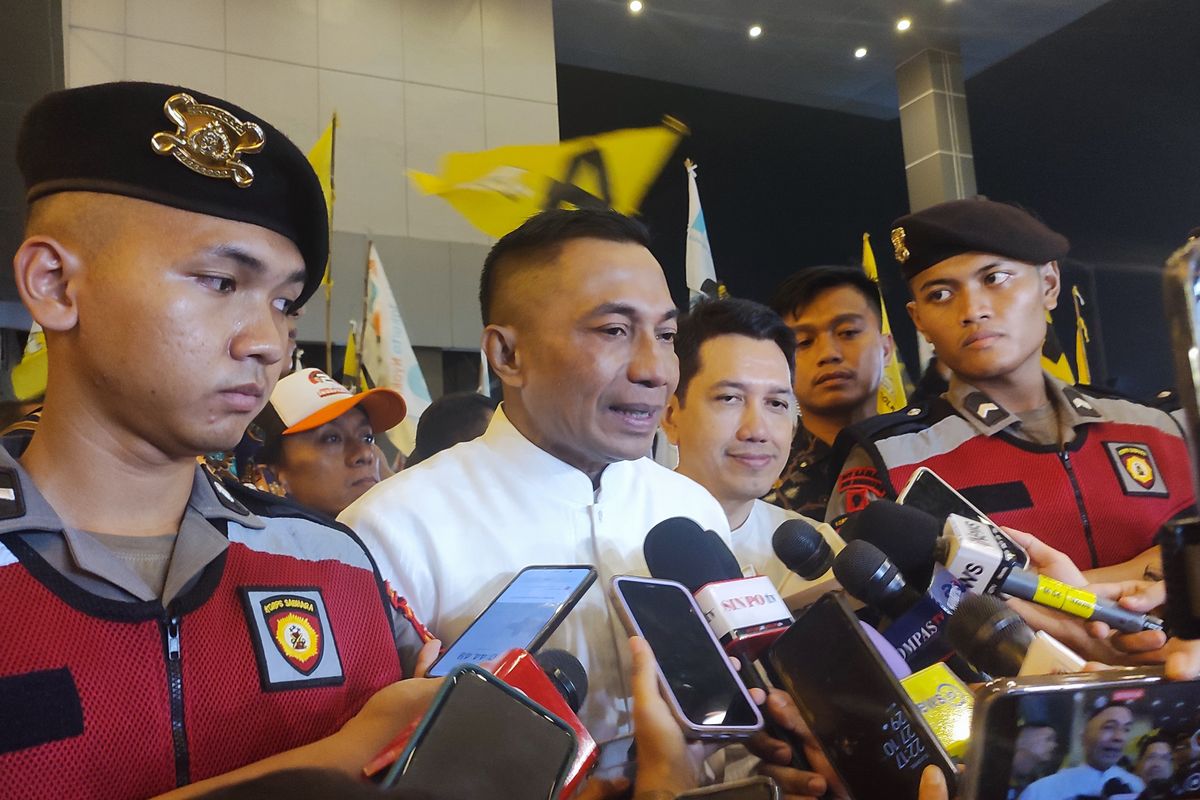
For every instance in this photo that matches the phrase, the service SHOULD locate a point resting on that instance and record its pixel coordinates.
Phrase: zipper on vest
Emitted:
(1065, 457)
(175, 690)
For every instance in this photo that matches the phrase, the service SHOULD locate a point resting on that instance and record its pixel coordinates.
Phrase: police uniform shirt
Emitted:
(808, 478)
(451, 532)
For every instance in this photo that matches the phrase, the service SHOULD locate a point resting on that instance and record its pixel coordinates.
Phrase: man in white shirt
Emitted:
(1104, 738)
(732, 418)
(579, 327)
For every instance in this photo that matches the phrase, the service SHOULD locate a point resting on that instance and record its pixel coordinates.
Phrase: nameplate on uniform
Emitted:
(293, 641)
(1136, 469)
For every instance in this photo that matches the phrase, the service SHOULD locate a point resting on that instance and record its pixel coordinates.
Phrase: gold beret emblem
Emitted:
(208, 140)
(898, 245)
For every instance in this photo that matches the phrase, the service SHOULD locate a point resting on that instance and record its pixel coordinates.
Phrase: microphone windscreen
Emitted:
(867, 574)
(677, 549)
(567, 674)
(802, 549)
(906, 536)
(989, 635)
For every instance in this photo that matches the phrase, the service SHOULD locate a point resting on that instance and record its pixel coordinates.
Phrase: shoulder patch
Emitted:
(1136, 469)
(294, 643)
(1083, 407)
(983, 408)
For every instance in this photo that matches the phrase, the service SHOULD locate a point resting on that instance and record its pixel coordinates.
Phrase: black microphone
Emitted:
(706, 559)
(989, 634)
(869, 575)
(567, 674)
(802, 549)
(902, 533)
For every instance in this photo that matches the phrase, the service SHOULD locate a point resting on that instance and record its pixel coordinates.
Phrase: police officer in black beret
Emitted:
(1094, 476)
(159, 628)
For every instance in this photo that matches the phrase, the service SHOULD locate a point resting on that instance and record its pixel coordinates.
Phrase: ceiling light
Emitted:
(860, 52)
(755, 31)
(635, 6)
(903, 24)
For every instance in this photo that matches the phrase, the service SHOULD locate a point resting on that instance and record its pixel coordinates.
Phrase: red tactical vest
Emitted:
(109, 699)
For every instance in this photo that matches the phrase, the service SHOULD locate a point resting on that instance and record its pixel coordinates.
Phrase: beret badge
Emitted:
(899, 246)
(208, 140)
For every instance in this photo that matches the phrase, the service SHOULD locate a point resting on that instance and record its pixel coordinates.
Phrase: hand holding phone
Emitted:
(705, 695)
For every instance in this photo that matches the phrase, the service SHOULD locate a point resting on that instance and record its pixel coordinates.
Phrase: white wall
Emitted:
(409, 79)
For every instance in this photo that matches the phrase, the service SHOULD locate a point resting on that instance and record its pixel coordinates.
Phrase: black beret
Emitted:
(180, 148)
(977, 225)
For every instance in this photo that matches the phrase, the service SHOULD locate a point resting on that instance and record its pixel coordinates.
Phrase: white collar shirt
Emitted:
(449, 533)
(1085, 780)
(751, 543)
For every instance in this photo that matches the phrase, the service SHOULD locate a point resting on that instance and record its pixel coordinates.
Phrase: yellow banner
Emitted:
(891, 387)
(1081, 339)
(29, 376)
(321, 158)
(1054, 360)
(497, 190)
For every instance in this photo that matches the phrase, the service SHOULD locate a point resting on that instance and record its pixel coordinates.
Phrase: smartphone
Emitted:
(523, 616)
(1133, 725)
(705, 693)
(869, 727)
(926, 491)
(758, 788)
(482, 738)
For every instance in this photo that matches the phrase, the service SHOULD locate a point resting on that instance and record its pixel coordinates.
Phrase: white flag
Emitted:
(701, 274)
(387, 354)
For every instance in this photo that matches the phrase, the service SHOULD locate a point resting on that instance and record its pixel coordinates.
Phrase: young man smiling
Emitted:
(1095, 477)
(732, 418)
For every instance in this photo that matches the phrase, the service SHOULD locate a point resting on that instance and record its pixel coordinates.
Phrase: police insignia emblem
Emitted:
(1136, 470)
(208, 140)
(295, 630)
(303, 650)
(899, 245)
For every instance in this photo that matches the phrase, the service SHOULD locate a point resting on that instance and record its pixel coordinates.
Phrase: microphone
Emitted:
(746, 614)
(916, 618)
(567, 674)
(802, 549)
(970, 552)
(914, 540)
(901, 532)
(995, 640)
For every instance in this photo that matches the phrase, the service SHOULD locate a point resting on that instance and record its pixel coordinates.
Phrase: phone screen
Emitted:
(481, 739)
(517, 617)
(697, 671)
(927, 492)
(1131, 739)
(870, 729)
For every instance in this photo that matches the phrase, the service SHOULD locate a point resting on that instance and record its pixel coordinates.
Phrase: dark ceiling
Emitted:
(805, 53)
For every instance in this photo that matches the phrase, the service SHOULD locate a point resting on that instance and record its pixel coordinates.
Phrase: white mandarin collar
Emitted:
(523, 460)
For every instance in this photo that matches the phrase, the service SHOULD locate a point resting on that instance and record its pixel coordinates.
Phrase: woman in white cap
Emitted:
(318, 439)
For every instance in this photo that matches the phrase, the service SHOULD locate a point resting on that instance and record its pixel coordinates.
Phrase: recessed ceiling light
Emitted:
(755, 31)
(635, 6)
(903, 24)
(860, 52)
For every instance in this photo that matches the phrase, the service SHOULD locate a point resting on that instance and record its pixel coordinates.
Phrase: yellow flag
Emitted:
(1081, 339)
(1054, 360)
(350, 362)
(321, 158)
(891, 387)
(29, 376)
(497, 190)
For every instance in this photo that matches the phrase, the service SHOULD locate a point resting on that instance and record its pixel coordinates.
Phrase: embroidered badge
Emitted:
(1081, 404)
(1136, 469)
(301, 650)
(858, 486)
(12, 503)
(983, 409)
(208, 140)
(899, 246)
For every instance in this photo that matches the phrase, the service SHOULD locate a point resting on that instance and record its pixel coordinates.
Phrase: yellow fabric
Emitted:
(350, 376)
(321, 158)
(891, 387)
(1054, 360)
(1081, 339)
(29, 376)
(497, 190)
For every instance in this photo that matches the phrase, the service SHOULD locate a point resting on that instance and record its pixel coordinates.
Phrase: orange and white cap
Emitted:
(309, 398)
